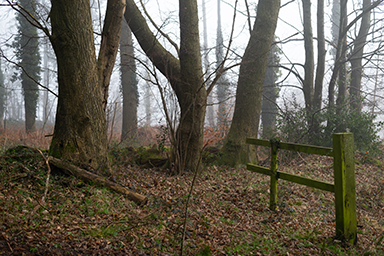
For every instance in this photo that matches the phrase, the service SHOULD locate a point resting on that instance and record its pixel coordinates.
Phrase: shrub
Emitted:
(292, 126)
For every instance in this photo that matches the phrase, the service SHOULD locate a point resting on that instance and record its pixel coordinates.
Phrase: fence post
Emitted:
(345, 191)
(273, 185)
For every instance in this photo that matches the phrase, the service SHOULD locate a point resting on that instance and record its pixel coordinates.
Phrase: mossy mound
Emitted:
(145, 157)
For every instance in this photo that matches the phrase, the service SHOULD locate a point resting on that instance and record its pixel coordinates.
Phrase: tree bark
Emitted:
(194, 96)
(342, 81)
(27, 51)
(110, 41)
(356, 59)
(320, 69)
(320, 57)
(270, 93)
(80, 133)
(221, 84)
(309, 59)
(245, 122)
(128, 84)
(338, 58)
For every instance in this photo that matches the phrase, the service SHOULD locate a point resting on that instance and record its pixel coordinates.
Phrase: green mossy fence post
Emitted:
(345, 192)
(273, 185)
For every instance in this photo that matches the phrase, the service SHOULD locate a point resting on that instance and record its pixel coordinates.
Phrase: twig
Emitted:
(48, 175)
(187, 203)
(9, 246)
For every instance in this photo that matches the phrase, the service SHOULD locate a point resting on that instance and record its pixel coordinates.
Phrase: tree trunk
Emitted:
(27, 51)
(2, 99)
(356, 59)
(80, 133)
(320, 57)
(194, 96)
(318, 95)
(245, 122)
(342, 81)
(210, 108)
(268, 108)
(185, 75)
(338, 57)
(222, 84)
(309, 59)
(128, 84)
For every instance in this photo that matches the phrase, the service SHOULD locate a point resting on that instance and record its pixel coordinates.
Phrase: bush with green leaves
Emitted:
(292, 126)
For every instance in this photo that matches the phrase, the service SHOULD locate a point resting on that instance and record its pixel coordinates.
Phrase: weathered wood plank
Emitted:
(258, 142)
(293, 178)
(306, 181)
(345, 191)
(258, 169)
(325, 151)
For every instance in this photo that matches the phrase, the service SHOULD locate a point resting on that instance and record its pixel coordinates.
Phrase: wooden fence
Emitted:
(344, 178)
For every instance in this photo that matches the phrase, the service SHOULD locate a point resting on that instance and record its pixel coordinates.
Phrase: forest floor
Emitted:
(228, 212)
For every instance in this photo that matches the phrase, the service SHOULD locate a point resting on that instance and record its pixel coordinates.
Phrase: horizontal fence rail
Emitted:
(344, 178)
(316, 150)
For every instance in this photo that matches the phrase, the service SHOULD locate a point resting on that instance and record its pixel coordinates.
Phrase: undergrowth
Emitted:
(228, 212)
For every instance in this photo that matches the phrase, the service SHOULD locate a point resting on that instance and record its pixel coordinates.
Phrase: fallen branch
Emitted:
(82, 174)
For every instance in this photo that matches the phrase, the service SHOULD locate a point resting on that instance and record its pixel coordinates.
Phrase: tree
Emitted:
(2, 97)
(356, 59)
(270, 93)
(80, 133)
(222, 84)
(309, 57)
(128, 83)
(184, 74)
(245, 122)
(210, 107)
(26, 45)
(313, 81)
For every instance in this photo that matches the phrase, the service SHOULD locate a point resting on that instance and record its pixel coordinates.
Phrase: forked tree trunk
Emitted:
(80, 133)
(245, 122)
(185, 75)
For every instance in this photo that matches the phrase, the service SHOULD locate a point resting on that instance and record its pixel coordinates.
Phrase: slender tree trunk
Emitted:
(2, 99)
(317, 97)
(309, 59)
(210, 107)
(356, 59)
(80, 133)
(222, 84)
(128, 84)
(320, 57)
(342, 81)
(338, 58)
(245, 122)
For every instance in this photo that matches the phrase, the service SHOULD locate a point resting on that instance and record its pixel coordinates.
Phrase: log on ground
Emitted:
(82, 174)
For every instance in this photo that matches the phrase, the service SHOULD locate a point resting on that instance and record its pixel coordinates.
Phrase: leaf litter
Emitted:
(228, 212)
